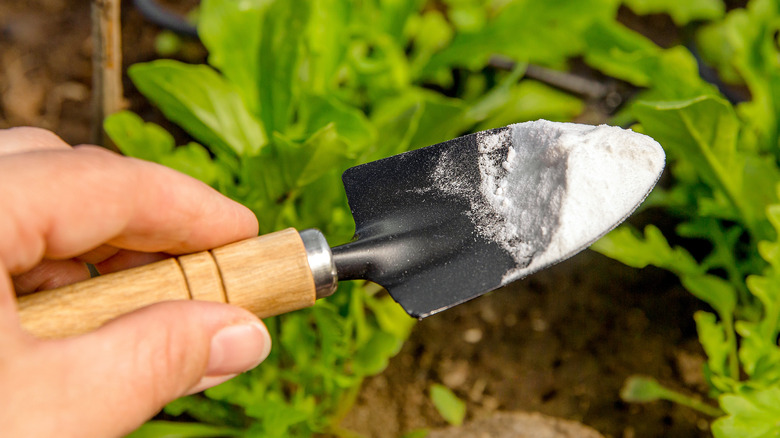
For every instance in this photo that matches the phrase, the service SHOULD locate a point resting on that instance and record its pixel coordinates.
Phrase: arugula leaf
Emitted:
(448, 404)
(744, 49)
(171, 429)
(198, 99)
(532, 100)
(525, 30)
(681, 12)
(625, 245)
(623, 53)
(716, 343)
(751, 413)
(703, 131)
(640, 389)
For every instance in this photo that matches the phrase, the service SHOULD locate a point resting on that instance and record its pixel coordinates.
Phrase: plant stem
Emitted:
(731, 339)
(691, 402)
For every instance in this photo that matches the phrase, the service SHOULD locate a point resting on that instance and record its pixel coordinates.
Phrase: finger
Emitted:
(50, 274)
(9, 318)
(27, 139)
(99, 254)
(136, 364)
(100, 197)
(126, 259)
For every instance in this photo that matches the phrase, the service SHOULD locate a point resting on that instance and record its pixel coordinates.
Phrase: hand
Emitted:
(62, 207)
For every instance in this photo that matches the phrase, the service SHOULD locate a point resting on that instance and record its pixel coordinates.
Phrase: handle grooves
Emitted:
(267, 275)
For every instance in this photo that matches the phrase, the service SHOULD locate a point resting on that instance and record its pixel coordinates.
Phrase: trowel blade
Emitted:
(444, 224)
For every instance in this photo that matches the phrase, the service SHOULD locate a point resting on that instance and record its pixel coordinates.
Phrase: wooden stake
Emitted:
(106, 66)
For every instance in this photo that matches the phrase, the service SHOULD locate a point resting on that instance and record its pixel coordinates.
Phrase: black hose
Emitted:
(164, 18)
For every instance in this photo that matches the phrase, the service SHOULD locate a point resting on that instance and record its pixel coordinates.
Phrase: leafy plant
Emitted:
(723, 159)
(295, 92)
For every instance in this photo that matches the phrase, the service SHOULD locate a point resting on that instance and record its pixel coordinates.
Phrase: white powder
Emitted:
(547, 190)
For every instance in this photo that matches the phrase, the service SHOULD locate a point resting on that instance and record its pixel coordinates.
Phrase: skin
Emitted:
(62, 207)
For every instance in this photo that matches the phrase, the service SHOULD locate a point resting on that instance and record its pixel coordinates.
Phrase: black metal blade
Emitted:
(424, 231)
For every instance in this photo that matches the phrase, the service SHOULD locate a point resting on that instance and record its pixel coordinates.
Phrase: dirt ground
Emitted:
(561, 342)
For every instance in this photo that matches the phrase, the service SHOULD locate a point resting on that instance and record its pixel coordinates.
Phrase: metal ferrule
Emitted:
(323, 269)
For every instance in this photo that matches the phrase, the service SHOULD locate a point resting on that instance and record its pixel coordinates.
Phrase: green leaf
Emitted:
(202, 102)
(449, 406)
(625, 245)
(418, 433)
(194, 160)
(532, 100)
(171, 429)
(714, 340)
(352, 126)
(230, 31)
(545, 32)
(638, 389)
(744, 48)
(373, 356)
(751, 413)
(283, 32)
(625, 54)
(718, 293)
(391, 317)
(280, 417)
(327, 43)
(704, 131)
(682, 12)
(136, 138)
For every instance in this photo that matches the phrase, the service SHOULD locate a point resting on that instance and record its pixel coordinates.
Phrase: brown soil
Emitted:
(560, 343)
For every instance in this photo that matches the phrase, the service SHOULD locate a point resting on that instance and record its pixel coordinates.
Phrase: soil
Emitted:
(560, 343)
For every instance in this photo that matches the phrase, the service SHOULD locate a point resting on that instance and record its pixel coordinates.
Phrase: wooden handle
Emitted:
(267, 275)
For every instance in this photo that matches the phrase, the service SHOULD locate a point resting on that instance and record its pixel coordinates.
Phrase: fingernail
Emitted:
(238, 348)
(209, 382)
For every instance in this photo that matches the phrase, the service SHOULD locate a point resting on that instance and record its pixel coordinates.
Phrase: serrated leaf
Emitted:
(743, 46)
(449, 406)
(623, 53)
(625, 245)
(713, 338)
(718, 293)
(172, 429)
(532, 100)
(751, 413)
(198, 99)
(526, 30)
(704, 131)
(682, 12)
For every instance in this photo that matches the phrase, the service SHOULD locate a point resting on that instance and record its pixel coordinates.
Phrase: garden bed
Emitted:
(561, 342)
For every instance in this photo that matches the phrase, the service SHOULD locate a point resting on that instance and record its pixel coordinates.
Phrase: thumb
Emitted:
(123, 373)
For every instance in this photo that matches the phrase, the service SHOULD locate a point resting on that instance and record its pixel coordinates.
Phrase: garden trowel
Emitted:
(436, 226)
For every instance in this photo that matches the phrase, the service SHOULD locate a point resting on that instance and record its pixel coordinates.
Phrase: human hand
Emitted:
(62, 207)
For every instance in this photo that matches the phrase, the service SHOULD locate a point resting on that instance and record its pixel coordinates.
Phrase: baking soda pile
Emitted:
(547, 190)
